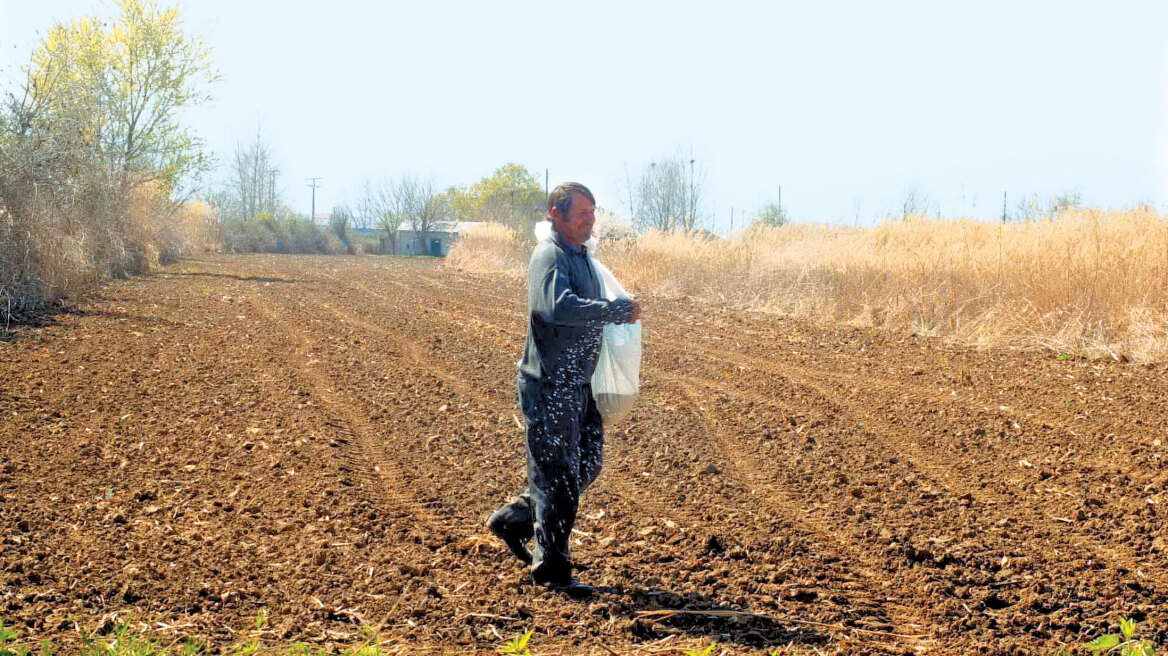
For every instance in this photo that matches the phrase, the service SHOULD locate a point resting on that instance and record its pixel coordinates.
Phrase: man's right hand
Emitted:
(635, 315)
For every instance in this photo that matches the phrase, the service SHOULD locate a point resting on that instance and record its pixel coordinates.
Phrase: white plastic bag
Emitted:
(617, 378)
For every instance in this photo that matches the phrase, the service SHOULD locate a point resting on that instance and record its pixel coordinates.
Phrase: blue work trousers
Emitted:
(565, 451)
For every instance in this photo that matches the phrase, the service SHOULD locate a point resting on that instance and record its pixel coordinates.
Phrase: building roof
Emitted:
(448, 227)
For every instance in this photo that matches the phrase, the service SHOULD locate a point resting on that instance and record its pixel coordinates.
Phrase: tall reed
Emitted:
(1089, 283)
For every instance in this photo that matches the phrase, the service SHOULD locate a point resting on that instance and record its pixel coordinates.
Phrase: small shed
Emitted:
(436, 242)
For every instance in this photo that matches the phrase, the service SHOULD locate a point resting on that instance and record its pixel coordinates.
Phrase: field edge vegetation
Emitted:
(94, 160)
(1081, 283)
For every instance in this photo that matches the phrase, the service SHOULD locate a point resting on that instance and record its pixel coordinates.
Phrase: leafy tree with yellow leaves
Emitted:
(122, 89)
(511, 196)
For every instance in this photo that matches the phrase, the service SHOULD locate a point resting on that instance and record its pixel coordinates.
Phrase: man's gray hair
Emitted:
(561, 197)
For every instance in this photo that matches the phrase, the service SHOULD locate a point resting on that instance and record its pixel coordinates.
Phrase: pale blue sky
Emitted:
(846, 105)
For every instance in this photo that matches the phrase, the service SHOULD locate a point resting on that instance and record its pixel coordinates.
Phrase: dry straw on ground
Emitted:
(1085, 283)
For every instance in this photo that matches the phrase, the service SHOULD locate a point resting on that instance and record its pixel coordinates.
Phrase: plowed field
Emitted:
(323, 438)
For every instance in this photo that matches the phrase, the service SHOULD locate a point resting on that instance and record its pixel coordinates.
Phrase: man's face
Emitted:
(576, 225)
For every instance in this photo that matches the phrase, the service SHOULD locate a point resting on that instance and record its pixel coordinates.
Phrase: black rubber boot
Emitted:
(514, 534)
(563, 583)
(574, 589)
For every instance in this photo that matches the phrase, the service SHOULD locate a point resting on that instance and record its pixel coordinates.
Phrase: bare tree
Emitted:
(1034, 208)
(915, 203)
(367, 210)
(340, 223)
(1029, 208)
(1069, 200)
(249, 211)
(390, 223)
(219, 199)
(253, 178)
(630, 188)
(416, 202)
(668, 194)
(381, 202)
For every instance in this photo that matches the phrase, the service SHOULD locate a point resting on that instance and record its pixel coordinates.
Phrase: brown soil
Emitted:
(323, 438)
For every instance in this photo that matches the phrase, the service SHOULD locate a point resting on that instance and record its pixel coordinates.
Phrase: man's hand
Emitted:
(635, 315)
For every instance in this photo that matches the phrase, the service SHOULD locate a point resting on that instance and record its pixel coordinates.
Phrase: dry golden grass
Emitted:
(1085, 283)
(490, 248)
(55, 250)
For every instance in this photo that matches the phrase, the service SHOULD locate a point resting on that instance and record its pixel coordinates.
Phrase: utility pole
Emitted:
(692, 200)
(312, 217)
(1003, 207)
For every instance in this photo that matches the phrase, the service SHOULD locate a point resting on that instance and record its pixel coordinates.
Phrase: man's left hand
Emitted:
(635, 315)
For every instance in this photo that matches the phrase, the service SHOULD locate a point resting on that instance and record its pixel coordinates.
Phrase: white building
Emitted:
(436, 242)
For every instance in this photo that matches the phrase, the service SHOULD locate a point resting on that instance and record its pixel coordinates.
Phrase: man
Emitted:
(566, 313)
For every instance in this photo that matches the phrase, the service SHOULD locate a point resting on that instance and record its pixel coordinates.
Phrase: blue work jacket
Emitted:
(566, 314)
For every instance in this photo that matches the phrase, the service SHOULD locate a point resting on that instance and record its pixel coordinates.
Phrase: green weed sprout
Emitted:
(252, 647)
(6, 636)
(1124, 643)
(517, 646)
